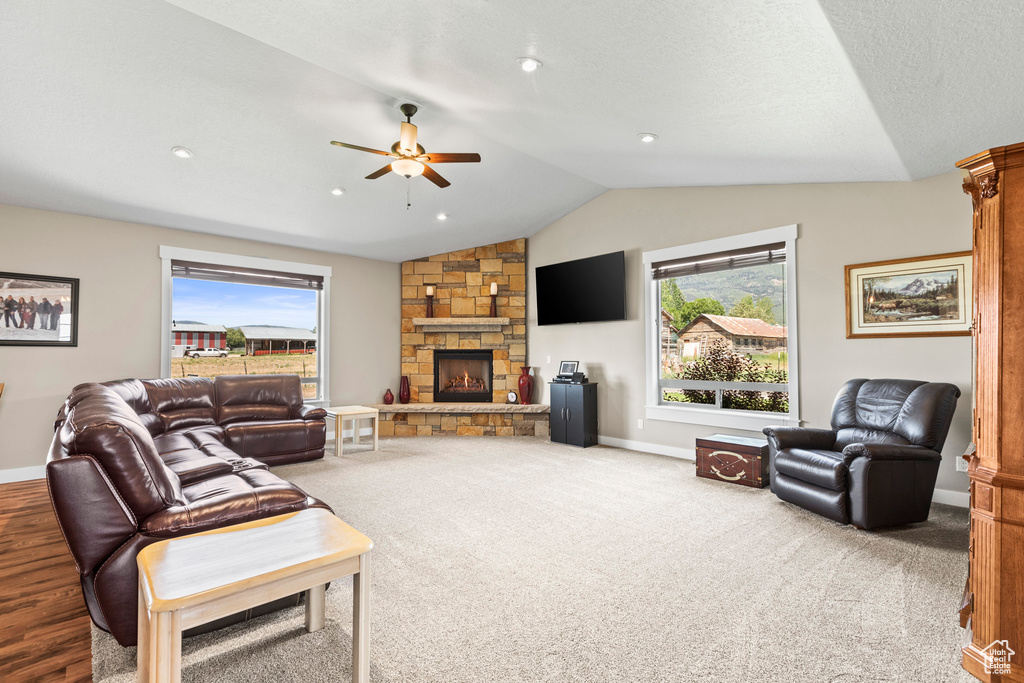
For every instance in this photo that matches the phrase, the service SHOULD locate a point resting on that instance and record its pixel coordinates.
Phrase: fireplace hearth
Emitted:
(463, 376)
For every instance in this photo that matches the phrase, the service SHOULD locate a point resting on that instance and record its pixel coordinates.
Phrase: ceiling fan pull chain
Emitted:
(408, 193)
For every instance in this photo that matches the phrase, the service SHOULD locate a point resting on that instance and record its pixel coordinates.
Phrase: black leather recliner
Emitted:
(876, 467)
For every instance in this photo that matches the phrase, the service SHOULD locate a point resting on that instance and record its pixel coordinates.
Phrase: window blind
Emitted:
(249, 276)
(724, 260)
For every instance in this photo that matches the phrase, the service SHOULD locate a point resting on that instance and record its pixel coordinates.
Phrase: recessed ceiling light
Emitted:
(338, 191)
(442, 216)
(647, 137)
(181, 152)
(529, 64)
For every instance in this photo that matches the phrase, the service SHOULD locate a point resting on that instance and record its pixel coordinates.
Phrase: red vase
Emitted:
(389, 398)
(525, 386)
(403, 390)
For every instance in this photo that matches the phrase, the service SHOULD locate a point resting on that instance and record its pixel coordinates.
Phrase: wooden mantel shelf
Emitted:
(467, 324)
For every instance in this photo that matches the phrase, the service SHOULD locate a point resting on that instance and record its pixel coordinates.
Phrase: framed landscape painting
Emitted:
(927, 296)
(38, 310)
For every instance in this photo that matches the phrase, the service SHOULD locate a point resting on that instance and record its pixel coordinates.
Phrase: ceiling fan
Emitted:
(411, 158)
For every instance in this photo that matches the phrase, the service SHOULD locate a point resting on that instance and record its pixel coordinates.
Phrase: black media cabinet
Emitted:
(574, 413)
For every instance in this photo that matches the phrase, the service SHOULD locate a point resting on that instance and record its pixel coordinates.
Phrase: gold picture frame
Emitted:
(926, 296)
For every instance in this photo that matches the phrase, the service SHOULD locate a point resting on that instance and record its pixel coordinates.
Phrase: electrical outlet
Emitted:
(961, 464)
(639, 423)
(549, 359)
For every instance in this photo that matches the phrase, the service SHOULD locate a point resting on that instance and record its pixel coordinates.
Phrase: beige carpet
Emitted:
(515, 559)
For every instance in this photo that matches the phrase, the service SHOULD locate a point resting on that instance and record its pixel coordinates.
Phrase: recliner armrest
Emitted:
(800, 437)
(889, 451)
(309, 413)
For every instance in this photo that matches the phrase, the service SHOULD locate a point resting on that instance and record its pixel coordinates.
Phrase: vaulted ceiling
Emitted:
(94, 94)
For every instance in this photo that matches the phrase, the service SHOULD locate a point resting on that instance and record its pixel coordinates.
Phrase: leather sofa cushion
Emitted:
(169, 442)
(820, 468)
(182, 403)
(197, 453)
(250, 412)
(222, 501)
(245, 398)
(204, 435)
(99, 423)
(256, 439)
(134, 393)
(192, 464)
(195, 437)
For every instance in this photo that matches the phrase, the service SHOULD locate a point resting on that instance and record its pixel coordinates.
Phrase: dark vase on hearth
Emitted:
(525, 386)
(389, 398)
(403, 390)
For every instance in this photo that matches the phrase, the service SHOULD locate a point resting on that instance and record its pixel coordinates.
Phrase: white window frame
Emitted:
(168, 254)
(655, 409)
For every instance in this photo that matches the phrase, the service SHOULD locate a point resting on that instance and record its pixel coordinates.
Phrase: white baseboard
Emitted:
(960, 499)
(671, 451)
(22, 474)
(957, 498)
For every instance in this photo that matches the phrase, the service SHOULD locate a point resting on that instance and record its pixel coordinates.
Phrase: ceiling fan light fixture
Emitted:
(181, 152)
(407, 167)
(338, 191)
(647, 137)
(529, 64)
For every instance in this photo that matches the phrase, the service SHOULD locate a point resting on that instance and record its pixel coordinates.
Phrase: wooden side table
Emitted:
(192, 580)
(354, 413)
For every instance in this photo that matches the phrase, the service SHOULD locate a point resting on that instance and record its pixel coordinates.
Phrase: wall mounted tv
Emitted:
(583, 291)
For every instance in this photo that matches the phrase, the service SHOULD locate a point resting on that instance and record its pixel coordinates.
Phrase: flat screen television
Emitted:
(583, 291)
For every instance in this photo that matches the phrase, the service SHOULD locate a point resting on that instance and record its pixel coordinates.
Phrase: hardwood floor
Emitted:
(44, 627)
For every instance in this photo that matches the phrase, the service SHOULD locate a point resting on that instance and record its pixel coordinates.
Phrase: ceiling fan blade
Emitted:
(440, 158)
(434, 177)
(379, 173)
(361, 149)
(408, 137)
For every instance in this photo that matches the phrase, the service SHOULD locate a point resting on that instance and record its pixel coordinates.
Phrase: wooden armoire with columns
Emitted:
(993, 607)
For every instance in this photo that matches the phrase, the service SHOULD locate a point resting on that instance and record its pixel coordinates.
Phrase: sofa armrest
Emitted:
(889, 451)
(92, 516)
(310, 413)
(800, 437)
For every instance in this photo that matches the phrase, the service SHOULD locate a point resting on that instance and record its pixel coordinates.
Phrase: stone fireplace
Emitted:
(463, 376)
(469, 396)
(461, 283)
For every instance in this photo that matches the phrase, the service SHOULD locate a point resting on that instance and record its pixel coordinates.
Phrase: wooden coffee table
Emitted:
(192, 580)
(354, 413)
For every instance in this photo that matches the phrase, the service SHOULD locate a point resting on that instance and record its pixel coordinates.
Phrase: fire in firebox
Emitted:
(465, 383)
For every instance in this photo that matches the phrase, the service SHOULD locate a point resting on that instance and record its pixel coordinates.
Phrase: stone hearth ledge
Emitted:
(462, 408)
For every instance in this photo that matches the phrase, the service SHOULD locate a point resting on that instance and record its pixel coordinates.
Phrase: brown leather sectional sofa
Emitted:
(136, 461)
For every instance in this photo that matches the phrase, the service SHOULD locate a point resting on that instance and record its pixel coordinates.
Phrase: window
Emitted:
(732, 301)
(236, 315)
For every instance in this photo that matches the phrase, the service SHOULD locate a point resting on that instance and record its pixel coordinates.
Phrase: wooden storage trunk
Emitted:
(735, 459)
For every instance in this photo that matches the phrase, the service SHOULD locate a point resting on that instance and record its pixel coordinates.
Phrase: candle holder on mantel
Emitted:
(430, 302)
(494, 299)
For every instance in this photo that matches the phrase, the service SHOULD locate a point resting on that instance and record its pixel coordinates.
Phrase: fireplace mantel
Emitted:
(466, 324)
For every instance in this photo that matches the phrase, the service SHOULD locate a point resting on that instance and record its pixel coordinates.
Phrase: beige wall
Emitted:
(838, 224)
(119, 318)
